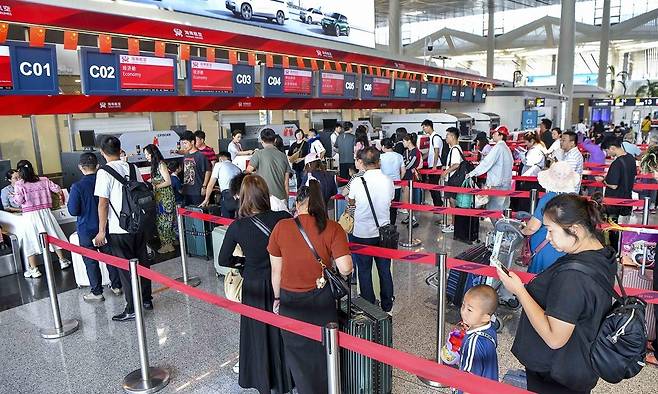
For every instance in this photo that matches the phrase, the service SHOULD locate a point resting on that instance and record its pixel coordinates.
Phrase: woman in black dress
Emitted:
(299, 149)
(261, 364)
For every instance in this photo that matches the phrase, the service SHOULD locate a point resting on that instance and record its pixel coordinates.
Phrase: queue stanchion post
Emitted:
(645, 211)
(146, 379)
(62, 327)
(533, 201)
(330, 339)
(507, 213)
(442, 285)
(193, 281)
(411, 242)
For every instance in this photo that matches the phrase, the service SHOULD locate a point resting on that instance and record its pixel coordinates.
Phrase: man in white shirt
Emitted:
(392, 165)
(316, 145)
(455, 157)
(381, 191)
(570, 153)
(222, 173)
(121, 244)
(434, 158)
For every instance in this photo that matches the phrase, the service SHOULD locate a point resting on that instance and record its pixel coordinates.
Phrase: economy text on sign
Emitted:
(6, 81)
(145, 72)
(333, 84)
(380, 87)
(297, 81)
(211, 76)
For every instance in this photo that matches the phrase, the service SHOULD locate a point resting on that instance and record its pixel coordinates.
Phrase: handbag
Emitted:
(346, 221)
(388, 234)
(465, 200)
(339, 286)
(233, 279)
(297, 155)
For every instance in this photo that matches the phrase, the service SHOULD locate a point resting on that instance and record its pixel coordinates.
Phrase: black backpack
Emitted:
(458, 177)
(619, 348)
(138, 207)
(445, 149)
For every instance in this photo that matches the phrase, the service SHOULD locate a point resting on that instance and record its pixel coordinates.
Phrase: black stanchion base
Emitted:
(193, 281)
(68, 327)
(158, 379)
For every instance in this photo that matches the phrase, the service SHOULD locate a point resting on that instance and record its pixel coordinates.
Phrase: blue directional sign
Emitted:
(33, 70)
(99, 72)
(430, 92)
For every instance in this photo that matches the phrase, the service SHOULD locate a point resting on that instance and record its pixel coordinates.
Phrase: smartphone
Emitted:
(502, 267)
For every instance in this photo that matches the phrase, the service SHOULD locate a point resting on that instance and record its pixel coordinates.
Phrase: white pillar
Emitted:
(604, 46)
(491, 44)
(565, 58)
(394, 38)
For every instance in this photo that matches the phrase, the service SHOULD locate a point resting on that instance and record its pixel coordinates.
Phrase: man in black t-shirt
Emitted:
(196, 171)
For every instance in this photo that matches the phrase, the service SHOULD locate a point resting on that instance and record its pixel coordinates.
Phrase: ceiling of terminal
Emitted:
(420, 10)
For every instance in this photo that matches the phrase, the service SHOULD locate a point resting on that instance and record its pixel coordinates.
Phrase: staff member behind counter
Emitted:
(235, 148)
(7, 193)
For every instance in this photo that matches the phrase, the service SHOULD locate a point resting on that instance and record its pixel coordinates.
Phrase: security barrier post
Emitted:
(62, 328)
(442, 284)
(146, 379)
(533, 201)
(330, 338)
(411, 242)
(193, 281)
(645, 211)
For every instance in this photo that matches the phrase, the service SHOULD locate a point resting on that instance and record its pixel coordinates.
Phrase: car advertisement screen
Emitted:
(6, 81)
(346, 21)
(297, 81)
(146, 73)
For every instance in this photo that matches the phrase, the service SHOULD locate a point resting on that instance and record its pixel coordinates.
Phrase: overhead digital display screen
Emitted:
(480, 95)
(287, 82)
(466, 94)
(337, 85)
(401, 89)
(220, 79)
(28, 70)
(375, 87)
(447, 92)
(430, 92)
(6, 80)
(146, 73)
(122, 74)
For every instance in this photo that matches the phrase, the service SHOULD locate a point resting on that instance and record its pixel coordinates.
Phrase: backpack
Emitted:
(138, 207)
(619, 348)
(458, 177)
(445, 149)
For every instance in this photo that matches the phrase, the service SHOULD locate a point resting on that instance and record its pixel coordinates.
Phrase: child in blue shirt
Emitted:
(175, 169)
(478, 348)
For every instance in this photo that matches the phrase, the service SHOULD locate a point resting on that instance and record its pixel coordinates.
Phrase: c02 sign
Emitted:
(103, 72)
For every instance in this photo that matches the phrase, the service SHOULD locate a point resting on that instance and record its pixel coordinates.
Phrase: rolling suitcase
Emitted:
(217, 239)
(361, 374)
(459, 282)
(198, 236)
(467, 228)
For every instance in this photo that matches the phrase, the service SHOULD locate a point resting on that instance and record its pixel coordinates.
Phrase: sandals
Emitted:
(651, 359)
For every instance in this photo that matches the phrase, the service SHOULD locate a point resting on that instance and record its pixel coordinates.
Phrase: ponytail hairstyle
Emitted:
(568, 210)
(532, 137)
(411, 137)
(316, 208)
(26, 171)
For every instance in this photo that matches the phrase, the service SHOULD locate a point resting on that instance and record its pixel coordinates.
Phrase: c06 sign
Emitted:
(28, 70)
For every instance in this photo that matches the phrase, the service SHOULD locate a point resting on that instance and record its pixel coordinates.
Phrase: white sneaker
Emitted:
(236, 368)
(32, 273)
(91, 297)
(448, 229)
(64, 264)
(117, 292)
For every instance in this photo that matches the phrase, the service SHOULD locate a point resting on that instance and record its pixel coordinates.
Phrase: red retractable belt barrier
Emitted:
(396, 358)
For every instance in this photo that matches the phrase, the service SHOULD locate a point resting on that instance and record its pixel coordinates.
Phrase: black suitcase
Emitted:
(467, 228)
(459, 282)
(361, 374)
(198, 233)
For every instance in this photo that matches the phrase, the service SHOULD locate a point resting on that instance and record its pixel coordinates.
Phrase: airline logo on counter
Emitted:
(212, 76)
(6, 81)
(297, 81)
(324, 53)
(109, 105)
(145, 72)
(195, 35)
(5, 10)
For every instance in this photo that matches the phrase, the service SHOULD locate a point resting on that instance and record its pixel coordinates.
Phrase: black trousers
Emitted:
(94, 270)
(436, 195)
(394, 211)
(539, 382)
(344, 170)
(131, 246)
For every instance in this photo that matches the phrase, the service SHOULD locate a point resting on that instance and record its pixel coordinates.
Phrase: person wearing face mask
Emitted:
(562, 306)
(7, 193)
(164, 198)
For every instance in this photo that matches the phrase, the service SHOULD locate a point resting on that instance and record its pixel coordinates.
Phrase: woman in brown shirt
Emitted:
(295, 274)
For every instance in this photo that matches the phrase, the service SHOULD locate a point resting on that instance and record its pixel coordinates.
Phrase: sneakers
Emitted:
(117, 292)
(166, 249)
(64, 264)
(448, 229)
(236, 368)
(32, 273)
(91, 297)
(123, 316)
(148, 305)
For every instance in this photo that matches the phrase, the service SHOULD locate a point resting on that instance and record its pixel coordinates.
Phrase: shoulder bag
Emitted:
(388, 234)
(339, 286)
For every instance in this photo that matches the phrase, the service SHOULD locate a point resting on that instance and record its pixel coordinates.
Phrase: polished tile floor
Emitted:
(198, 342)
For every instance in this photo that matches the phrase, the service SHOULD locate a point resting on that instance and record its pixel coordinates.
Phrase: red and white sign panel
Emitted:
(6, 81)
(211, 76)
(145, 72)
(380, 87)
(297, 81)
(333, 84)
